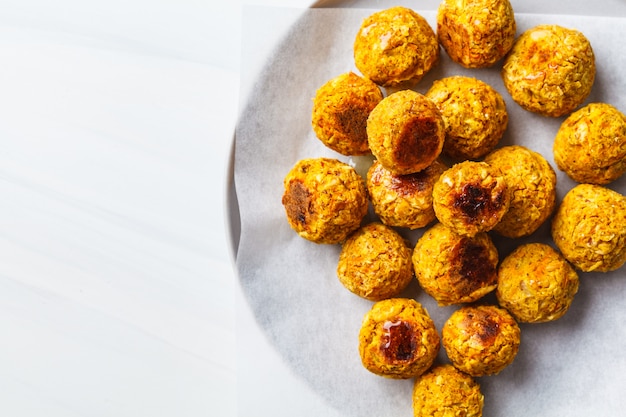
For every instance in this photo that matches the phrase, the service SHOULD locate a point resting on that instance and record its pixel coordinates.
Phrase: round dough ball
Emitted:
(325, 199)
(340, 111)
(589, 228)
(403, 200)
(536, 284)
(398, 339)
(395, 47)
(590, 145)
(532, 186)
(471, 197)
(481, 340)
(405, 132)
(550, 70)
(476, 33)
(474, 114)
(375, 262)
(455, 269)
(445, 391)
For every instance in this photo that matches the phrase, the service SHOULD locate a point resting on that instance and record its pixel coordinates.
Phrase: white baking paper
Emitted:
(574, 366)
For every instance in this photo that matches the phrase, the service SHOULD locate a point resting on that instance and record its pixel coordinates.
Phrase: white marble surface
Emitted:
(116, 284)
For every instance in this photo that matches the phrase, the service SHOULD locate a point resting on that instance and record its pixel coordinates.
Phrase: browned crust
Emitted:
(550, 70)
(455, 269)
(340, 111)
(403, 200)
(324, 199)
(481, 340)
(475, 266)
(471, 197)
(406, 132)
(477, 33)
(398, 339)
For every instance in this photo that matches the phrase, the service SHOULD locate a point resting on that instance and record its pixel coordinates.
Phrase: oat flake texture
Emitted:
(550, 70)
(589, 227)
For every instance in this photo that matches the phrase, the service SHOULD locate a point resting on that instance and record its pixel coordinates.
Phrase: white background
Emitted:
(116, 285)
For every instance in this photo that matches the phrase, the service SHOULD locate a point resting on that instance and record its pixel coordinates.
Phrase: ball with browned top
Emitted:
(532, 186)
(471, 197)
(445, 391)
(375, 262)
(455, 269)
(476, 33)
(406, 132)
(324, 199)
(340, 110)
(398, 339)
(403, 200)
(474, 113)
(550, 70)
(536, 284)
(590, 145)
(589, 227)
(395, 47)
(481, 340)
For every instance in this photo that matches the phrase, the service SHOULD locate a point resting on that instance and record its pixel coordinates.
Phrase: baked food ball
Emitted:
(589, 228)
(455, 269)
(550, 70)
(476, 33)
(403, 200)
(536, 284)
(445, 391)
(481, 340)
(532, 187)
(324, 199)
(398, 339)
(395, 46)
(375, 262)
(474, 114)
(405, 132)
(590, 145)
(340, 110)
(471, 197)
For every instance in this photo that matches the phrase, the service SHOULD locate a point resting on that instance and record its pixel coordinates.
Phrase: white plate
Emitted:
(573, 366)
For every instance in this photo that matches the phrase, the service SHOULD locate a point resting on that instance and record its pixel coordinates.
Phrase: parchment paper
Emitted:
(574, 366)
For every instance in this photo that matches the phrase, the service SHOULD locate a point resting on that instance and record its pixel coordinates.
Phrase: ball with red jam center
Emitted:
(471, 197)
(398, 339)
(455, 269)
